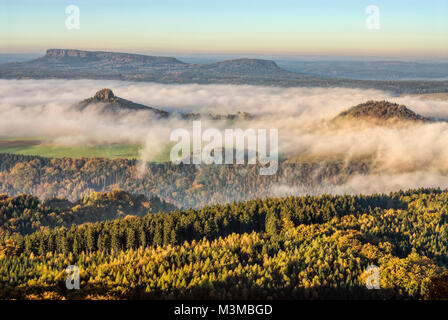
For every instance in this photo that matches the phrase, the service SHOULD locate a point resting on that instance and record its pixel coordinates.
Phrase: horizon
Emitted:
(6, 57)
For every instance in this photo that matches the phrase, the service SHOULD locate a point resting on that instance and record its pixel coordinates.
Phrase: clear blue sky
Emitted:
(411, 27)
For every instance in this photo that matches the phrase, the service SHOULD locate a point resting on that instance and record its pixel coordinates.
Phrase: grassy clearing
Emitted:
(33, 147)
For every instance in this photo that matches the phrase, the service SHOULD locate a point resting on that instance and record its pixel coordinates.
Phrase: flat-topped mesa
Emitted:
(78, 58)
(105, 95)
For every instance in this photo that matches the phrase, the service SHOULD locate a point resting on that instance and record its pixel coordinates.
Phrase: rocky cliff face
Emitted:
(105, 95)
(66, 53)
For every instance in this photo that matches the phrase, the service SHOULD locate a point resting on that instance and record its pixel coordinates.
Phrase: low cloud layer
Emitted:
(408, 157)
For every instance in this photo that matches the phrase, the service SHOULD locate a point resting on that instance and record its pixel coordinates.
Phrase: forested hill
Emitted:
(297, 247)
(181, 185)
(381, 111)
(26, 214)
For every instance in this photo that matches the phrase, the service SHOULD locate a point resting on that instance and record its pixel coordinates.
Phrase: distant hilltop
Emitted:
(108, 102)
(154, 66)
(245, 66)
(383, 111)
(105, 95)
(113, 104)
(81, 64)
(71, 55)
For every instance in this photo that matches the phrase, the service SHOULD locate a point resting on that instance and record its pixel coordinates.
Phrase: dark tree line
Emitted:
(269, 215)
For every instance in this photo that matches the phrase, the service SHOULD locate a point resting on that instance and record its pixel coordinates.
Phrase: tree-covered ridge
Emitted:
(211, 222)
(381, 111)
(294, 247)
(26, 214)
(183, 185)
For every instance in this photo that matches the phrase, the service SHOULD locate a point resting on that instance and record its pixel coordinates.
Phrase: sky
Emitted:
(282, 27)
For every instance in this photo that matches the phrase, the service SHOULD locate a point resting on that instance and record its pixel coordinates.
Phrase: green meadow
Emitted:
(36, 148)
